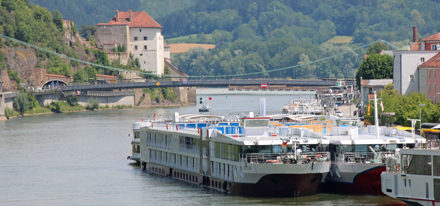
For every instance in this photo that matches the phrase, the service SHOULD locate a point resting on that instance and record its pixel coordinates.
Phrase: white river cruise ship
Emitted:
(250, 157)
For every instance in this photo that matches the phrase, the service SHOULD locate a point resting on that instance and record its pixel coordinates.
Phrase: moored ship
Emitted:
(359, 156)
(414, 177)
(250, 157)
(135, 142)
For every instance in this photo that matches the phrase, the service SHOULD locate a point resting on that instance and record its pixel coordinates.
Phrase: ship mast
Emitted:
(376, 119)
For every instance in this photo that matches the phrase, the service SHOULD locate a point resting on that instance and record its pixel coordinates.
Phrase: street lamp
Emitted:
(420, 117)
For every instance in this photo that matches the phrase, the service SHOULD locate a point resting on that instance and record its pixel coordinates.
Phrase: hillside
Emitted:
(262, 35)
(37, 26)
(88, 12)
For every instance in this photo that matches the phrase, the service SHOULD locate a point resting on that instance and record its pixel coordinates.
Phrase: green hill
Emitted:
(261, 35)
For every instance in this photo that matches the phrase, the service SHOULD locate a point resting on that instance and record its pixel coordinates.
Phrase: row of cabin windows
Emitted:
(136, 47)
(421, 165)
(222, 169)
(180, 161)
(189, 162)
(145, 38)
(158, 140)
(227, 151)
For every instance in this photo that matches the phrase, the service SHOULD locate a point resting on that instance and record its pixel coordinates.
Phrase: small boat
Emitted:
(204, 108)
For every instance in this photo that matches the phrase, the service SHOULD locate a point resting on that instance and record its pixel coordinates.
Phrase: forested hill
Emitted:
(90, 12)
(257, 36)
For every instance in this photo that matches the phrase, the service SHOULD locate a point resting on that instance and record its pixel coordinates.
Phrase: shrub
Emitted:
(92, 104)
(72, 100)
(55, 107)
(21, 103)
(9, 112)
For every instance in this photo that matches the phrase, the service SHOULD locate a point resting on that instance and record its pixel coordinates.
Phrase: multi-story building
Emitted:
(418, 70)
(405, 69)
(137, 34)
(429, 73)
(430, 43)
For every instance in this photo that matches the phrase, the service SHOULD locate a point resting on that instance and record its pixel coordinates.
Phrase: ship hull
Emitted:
(280, 185)
(356, 179)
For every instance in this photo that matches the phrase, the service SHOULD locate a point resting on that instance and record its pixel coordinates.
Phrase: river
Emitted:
(80, 159)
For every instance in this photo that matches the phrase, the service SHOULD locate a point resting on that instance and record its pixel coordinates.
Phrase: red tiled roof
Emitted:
(140, 19)
(434, 62)
(434, 37)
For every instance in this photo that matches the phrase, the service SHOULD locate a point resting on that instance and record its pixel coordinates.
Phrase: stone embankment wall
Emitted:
(186, 96)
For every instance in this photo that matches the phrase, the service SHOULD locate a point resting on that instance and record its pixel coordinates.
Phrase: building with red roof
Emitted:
(139, 34)
(429, 74)
(429, 43)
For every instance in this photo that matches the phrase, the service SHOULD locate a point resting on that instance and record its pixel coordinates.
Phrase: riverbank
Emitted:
(102, 108)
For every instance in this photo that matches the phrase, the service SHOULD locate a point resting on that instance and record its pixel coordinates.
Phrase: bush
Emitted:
(72, 100)
(9, 112)
(92, 104)
(55, 107)
(14, 76)
(21, 103)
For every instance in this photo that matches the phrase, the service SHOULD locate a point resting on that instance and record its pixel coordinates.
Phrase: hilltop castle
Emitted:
(138, 34)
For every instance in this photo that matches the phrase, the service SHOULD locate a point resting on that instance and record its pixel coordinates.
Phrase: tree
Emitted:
(376, 48)
(88, 31)
(92, 104)
(21, 103)
(376, 66)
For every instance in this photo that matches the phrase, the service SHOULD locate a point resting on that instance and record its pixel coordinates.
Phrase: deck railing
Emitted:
(363, 157)
(285, 158)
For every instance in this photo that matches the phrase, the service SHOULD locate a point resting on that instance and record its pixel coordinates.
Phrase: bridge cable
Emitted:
(180, 76)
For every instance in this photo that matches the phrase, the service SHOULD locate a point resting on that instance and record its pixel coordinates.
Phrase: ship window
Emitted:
(437, 166)
(437, 189)
(416, 164)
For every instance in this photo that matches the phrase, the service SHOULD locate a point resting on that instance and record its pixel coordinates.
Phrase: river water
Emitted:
(80, 159)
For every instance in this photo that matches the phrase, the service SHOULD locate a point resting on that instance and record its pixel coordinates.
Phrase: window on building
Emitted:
(135, 38)
(140, 30)
(434, 47)
(145, 47)
(422, 59)
(435, 73)
(429, 86)
(141, 54)
(145, 38)
(429, 73)
(435, 87)
(411, 77)
(135, 47)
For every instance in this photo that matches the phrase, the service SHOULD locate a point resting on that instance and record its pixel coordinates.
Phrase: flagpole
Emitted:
(376, 119)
